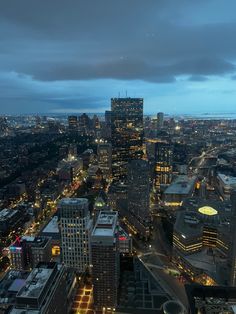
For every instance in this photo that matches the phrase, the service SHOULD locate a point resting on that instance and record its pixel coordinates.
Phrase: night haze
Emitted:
(73, 56)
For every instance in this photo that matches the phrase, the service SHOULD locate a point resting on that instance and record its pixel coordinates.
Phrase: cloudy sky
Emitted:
(61, 56)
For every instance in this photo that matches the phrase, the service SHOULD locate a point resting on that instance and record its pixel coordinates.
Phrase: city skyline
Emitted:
(64, 57)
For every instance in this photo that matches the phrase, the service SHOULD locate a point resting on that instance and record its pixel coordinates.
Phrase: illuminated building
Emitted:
(160, 120)
(69, 168)
(104, 152)
(105, 260)
(163, 163)
(84, 124)
(139, 196)
(125, 242)
(126, 133)
(202, 227)
(27, 252)
(44, 291)
(75, 229)
(73, 123)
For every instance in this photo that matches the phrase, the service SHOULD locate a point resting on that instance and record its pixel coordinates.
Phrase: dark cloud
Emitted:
(154, 41)
(198, 78)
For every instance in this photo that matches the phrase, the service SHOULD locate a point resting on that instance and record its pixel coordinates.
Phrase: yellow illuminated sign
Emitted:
(207, 210)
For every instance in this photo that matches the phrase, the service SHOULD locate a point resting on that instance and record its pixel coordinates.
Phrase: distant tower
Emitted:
(126, 132)
(73, 123)
(163, 164)
(139, 195)
(104, 152)
(75, 231)
(160, 120)
(105, 260)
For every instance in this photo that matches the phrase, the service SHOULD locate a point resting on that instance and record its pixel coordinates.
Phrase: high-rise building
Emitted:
(104, 152)
(105, 260)
(126, 132)
(163, 163)
(160, 120)
(27, 252)
(84, 123)
(73, 123)
(75, 229)
(139, 196)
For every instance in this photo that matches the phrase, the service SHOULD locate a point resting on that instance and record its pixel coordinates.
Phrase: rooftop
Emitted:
(227, 180)
(7, 213)
(73, 201)
(52, 226)
(106, 224)
(181, 185)
(37, 281)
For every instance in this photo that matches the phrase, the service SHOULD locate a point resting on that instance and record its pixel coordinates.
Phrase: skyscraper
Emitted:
(163, 164)
(126, 132)
(104, 152)
(75, 230)
(160, 120)
(105, 260)
(73, 123)
(138, 196)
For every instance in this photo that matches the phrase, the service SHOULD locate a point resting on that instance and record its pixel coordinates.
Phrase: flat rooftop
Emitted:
(73, 201)
(36, 282)
(106, 224)
(52, 226)
(227, 180)
(7, 213)
(181, 185)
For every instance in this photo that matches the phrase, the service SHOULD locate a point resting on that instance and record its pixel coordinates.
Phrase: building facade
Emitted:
(75, 230)
(139, 196)
(126, 133)
(105, 260)
(104, 152)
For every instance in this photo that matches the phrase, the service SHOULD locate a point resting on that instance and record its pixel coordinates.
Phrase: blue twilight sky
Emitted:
(69, 56)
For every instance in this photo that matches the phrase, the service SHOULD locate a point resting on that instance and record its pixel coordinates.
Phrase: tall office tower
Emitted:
(104, 152)
(163, 164)
(160, 120)
(126, 132)
(105, 260)
(139, 195)
(75, 230)
(73, 123)
(232, 251)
